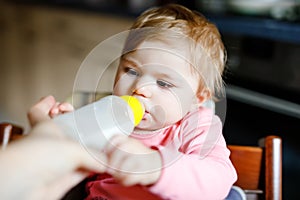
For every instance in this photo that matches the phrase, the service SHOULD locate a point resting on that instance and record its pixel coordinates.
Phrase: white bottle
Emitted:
(94, 124)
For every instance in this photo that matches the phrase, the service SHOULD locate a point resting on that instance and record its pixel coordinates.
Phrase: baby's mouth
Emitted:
(145, 114)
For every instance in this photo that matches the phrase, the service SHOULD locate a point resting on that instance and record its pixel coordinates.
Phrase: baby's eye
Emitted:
(131, 71)
(164, 84)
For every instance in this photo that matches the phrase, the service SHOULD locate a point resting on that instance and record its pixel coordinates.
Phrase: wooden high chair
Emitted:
(9, 132)
(259, 168)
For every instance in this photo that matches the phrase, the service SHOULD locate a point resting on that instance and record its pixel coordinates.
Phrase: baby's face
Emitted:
(162, 80)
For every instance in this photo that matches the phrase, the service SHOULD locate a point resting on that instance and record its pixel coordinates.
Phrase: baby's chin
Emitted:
(143, 129)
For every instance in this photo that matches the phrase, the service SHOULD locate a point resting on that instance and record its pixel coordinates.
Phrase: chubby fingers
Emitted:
(130, 162)
(60, 108)
(40, 111)
(125, 158)
(118, 159)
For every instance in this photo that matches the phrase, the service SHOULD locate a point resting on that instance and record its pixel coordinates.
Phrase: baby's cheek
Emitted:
(171, 113)
(160, 114)
(124, 86)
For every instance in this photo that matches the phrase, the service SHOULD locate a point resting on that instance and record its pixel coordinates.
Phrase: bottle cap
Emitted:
(136, 107)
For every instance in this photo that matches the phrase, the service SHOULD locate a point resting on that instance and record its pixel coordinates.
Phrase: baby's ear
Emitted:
(203, 95)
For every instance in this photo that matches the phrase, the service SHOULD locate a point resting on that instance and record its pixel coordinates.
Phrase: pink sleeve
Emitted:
(197, 164)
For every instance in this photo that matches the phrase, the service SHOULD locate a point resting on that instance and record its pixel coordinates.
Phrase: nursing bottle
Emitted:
(94, 124)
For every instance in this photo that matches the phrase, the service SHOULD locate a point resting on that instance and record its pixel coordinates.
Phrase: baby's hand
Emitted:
(130, 162)
(47, 108)
(60, 108)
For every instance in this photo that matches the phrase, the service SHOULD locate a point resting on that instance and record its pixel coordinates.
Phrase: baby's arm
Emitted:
(47, 108)
(201, 166)
(192, 177)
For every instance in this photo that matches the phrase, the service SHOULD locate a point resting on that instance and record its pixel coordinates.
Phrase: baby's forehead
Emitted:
(163, 48)
(158, 65)
(177, 46)
(179, 49)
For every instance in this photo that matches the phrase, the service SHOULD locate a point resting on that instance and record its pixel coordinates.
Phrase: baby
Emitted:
(172, 61)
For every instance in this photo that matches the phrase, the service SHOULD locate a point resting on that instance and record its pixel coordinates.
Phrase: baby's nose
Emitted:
(143, 87)
(144, 91)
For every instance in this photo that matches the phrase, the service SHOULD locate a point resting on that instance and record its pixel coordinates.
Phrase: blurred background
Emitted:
(43, 44)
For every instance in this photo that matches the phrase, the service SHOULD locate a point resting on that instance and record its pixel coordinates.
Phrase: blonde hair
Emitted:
(207, 51)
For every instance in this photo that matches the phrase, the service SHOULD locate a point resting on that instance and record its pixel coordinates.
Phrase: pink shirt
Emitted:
(196, 163)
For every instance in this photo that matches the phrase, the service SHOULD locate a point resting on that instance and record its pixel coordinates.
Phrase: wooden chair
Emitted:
(9, 132)
(259, 168)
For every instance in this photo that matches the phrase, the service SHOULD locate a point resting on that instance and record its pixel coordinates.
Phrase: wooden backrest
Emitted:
(259, 168)
(9, 132)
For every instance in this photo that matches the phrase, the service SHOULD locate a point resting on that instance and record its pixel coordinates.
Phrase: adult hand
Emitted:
(44, 165)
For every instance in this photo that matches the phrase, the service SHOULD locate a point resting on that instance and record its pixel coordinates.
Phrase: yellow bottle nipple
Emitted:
(136, 107)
